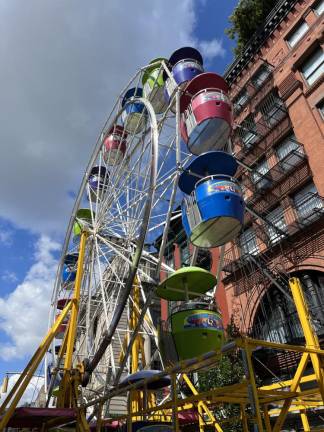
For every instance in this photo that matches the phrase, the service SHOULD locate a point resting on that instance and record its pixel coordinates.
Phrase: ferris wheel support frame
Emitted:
(20, 386)
(108, 335)
(64, 393)
(246, 392)
(155, 127)
(163, 243)
(78, 199)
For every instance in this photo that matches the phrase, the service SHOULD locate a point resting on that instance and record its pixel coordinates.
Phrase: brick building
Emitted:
(277, 91)
(278, 95)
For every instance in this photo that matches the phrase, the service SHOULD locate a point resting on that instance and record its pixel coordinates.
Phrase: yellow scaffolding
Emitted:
(286, 396)
(68, 393)
(270, 404)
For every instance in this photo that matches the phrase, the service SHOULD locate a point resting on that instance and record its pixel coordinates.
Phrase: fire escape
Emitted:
(283, 225)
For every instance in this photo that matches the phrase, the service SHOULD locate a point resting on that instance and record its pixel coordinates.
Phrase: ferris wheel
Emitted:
(126, 200)
(164, 153)
(142, 167)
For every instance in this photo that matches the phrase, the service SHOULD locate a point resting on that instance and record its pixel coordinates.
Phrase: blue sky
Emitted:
(61, 74)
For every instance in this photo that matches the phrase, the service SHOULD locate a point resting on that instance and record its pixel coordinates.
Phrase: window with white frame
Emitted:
(297, 33)
(276, 226)
(248, 131)
(260, 176)
(272, 108)
(313, 67)
(248, 242)
(261, 76)
(319, 7)
(289, 153)
(308, 203)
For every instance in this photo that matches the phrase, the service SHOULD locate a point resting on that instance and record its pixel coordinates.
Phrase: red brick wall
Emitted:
(301, 101)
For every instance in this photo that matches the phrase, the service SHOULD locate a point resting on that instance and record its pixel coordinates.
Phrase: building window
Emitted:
(320, 107)
(241, 100)
(319, 7)
(261, 76)
(248, 242)
(289, 153)
(248, 132)
(272, 108)
(273, 321)
(184, 253)
(308, 204)
(276, 228)
(260, 176)
(298, 32)
(313, 67)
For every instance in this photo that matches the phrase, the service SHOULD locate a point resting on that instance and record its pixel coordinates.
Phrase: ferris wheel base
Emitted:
(25, 417)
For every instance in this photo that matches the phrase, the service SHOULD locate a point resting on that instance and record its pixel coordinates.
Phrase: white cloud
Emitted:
(6, 236)
(24, 313)
(31, 391)
(65, 63)
(211, 49)
(9, 276)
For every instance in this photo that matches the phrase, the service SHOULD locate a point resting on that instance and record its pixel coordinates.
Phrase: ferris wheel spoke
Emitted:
(128, 206)
(125, 179)
(121, 254)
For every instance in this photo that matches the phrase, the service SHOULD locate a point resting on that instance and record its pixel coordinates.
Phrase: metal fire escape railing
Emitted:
(258, 181)
(256, 82)
(251, 134)
(272, 231)
(309, 209)
(272, 108)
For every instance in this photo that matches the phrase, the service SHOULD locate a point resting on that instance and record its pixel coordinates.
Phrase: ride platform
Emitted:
(32, 417)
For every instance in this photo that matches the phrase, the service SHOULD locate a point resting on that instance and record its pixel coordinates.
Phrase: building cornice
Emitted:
(278, 13)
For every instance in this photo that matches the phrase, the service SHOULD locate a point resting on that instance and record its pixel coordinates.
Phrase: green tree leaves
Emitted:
(246, 19)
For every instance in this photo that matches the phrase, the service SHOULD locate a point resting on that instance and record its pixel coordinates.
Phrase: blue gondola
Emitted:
(68, 275)
(133, 115)
(185, 63)
(98, 181)
(213, 210)
(69, 269)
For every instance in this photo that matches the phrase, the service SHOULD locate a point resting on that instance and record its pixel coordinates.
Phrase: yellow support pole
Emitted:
(253, 387)
(267, 422)
(75, 307)
(65, 393)
(136, 396)
(310, 336)
(175, 419)
(200, 418)
(311, 342)
(303, 416)
(19, 388)
(202, 404)
(244, 419)
(305, 421)
(294, 385)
